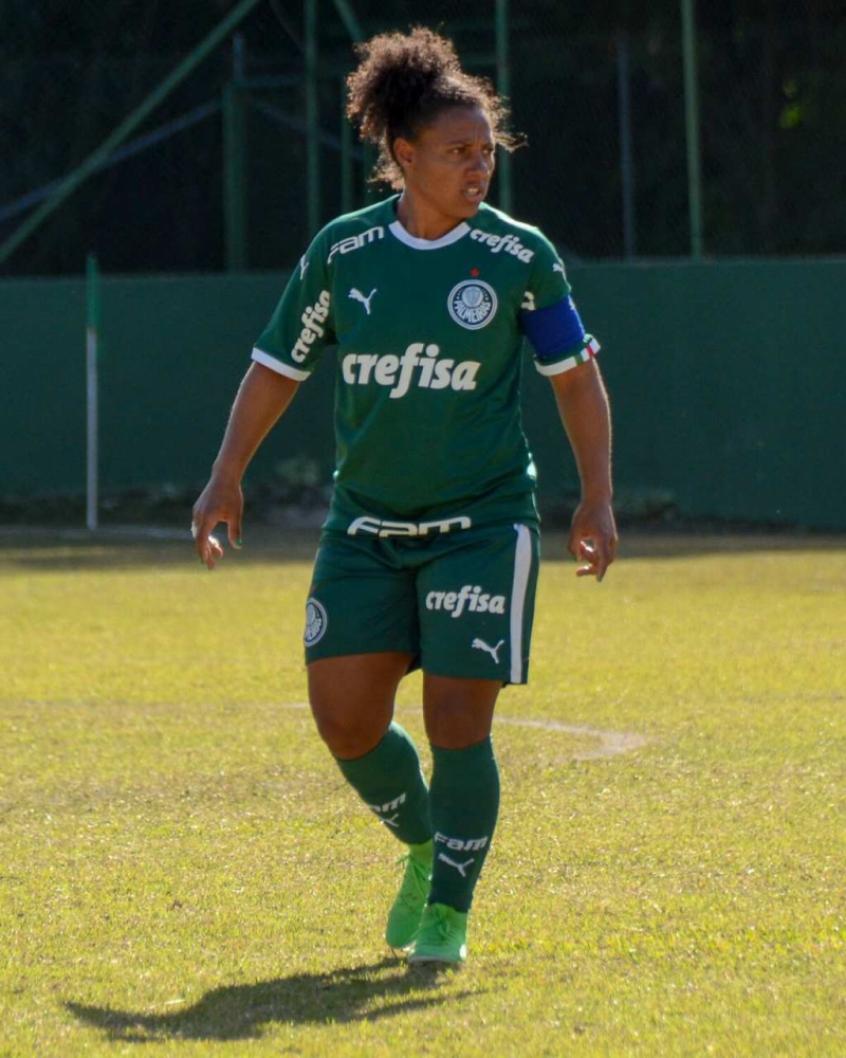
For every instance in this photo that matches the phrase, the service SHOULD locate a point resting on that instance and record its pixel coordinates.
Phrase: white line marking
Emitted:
(611, 743)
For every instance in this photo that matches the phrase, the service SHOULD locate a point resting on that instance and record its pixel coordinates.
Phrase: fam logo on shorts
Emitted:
(316, 622)
(472, 304)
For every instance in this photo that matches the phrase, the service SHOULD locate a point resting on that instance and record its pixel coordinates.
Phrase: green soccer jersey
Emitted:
(429, 342)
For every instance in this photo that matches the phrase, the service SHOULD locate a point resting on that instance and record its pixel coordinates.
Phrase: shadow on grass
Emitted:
(71, 550)
(240, 1012)
(56, 550)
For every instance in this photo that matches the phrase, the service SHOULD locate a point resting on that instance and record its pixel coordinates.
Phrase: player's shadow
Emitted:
(240, 1012)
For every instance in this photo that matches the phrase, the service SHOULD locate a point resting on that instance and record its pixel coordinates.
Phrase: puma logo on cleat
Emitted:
(460, 867)
(480, 644)
(357, 295)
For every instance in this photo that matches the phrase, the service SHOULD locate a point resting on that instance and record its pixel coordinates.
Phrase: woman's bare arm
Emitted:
(583, 406)
(262, 398)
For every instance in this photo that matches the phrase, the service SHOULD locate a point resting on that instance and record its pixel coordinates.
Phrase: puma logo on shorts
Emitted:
(374, 592)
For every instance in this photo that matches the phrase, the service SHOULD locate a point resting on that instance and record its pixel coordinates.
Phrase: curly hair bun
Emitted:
(403, 82)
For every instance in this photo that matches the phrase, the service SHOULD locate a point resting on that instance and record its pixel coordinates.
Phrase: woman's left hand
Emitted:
(593, 539)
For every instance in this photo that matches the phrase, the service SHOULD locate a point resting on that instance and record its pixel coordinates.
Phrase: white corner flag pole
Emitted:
(92, 336)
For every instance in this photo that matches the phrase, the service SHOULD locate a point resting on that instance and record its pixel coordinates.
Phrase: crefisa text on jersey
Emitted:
(503, 244)
(312, 319)
(398, 371)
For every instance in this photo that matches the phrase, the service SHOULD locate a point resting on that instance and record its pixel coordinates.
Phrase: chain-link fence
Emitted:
(235, 165)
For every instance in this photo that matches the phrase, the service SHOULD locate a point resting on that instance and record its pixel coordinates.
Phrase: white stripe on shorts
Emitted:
(522, 568)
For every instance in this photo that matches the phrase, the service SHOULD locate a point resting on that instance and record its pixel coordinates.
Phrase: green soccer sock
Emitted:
(464, 802)
(389, 781)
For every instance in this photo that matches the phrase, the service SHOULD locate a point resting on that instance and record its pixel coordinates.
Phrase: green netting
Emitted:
(585, 78)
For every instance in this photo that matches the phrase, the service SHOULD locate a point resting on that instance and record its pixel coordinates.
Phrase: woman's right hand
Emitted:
(262, 398)
(220, 501)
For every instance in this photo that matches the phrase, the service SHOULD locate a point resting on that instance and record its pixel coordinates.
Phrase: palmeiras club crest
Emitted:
(316, 622)
(472, 304)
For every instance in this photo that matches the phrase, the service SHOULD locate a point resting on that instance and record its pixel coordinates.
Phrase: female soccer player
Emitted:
(429, 555)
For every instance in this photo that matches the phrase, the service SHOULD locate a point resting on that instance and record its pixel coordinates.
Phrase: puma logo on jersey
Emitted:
(470, 596)
(355, 242)
(503, 243)
(480, 644)
(460, 867)
(357, 295)
(419, 365)
(558, 268)
(312, 319)
(303, 266)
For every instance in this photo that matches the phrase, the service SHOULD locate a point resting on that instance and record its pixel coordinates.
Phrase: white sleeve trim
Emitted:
(266, 360)
(589, 351)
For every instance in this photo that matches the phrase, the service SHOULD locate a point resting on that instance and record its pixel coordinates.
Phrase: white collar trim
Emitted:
(400, 233)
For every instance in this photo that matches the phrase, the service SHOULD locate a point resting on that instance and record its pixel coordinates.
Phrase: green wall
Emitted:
(727, 382)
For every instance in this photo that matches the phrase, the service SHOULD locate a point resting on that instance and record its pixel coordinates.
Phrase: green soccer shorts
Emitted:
(461, 602)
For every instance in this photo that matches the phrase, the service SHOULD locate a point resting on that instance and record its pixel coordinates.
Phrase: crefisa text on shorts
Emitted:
(471, 596)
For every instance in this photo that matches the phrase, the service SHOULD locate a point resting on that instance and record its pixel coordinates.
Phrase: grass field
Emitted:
(182, 864)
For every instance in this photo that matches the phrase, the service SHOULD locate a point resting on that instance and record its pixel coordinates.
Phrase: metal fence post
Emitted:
(691, 109)
(312, 113)
(92, 341)
(624, 102)
(503, 86)
(347, 175)
(234, 178)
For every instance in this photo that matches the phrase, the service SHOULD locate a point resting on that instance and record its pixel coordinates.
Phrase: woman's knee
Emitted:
(348, 736)
(458, 713)
(449, 728)
(352, 700)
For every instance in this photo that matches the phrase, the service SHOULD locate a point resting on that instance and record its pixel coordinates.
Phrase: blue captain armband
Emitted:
(554, 329)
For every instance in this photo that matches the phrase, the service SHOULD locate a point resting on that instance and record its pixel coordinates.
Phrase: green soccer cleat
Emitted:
(442, 936)
(404, 917)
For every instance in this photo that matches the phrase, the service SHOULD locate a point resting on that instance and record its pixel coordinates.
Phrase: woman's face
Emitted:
(449, 165)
